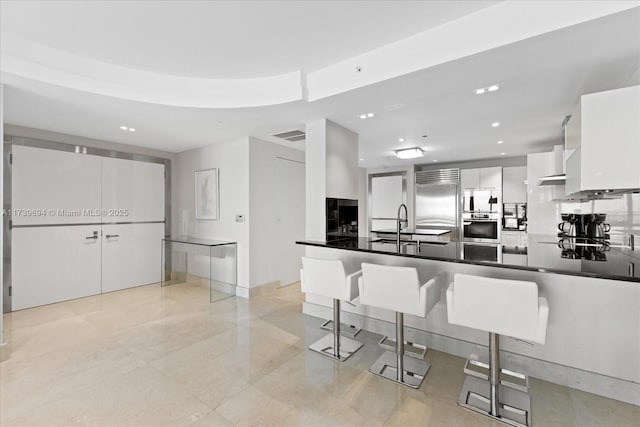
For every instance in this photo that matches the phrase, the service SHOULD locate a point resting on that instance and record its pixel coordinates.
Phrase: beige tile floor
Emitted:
(153, 356)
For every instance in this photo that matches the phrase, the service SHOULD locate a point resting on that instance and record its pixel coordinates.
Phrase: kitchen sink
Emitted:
(393, 242)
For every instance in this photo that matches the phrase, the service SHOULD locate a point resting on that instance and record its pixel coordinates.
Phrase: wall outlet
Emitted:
(239, 218)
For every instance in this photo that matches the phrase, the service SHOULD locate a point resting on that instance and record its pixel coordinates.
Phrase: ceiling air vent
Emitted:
(291, 135)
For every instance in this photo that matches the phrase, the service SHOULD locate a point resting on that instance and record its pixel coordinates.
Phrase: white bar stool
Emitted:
(398, 289)
(328, 278)
(500, 307)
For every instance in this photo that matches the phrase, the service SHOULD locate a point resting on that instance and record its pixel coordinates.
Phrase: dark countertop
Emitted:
(409, 231)
(543, 254)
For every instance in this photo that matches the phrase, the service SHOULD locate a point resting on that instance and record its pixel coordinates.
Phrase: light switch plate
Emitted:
(239, 218)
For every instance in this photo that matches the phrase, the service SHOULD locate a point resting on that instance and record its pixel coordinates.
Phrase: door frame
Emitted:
(10, 141)
(370, 219)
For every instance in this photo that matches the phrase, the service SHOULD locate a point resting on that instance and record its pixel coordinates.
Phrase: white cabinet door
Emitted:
(491, 179)
(52, 264)
(131, 255)
(136, 187)
(66, 186)
(470, 179)
(386, 196)
(514, 189)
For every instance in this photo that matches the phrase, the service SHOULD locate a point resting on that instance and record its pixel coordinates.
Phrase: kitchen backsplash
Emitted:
(623, 214)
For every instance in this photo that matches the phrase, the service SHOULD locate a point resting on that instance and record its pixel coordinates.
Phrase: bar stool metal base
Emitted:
(514, 406)
(325, 346)
(345, 330)
(410, 348)
(414, 370)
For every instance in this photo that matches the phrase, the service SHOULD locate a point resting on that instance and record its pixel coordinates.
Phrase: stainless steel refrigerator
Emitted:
(438, 200)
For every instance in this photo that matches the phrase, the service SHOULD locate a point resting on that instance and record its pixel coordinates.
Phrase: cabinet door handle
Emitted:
(95, 236)
(112, 235)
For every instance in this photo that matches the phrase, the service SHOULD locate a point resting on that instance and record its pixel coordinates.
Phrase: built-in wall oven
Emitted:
(480, 230)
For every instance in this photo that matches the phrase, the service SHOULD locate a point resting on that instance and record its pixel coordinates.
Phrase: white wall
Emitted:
(342, 162)
(232, 160)
(315, 179)
(543, 214)
(262, 207)
(1, 198)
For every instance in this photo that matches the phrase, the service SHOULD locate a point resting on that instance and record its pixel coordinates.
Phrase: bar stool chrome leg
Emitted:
(494, 396)
(333, 345)
(397, 366)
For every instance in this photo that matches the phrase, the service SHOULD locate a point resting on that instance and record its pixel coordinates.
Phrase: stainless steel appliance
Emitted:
(438, 200)
(596, 227)
(480, 229)
(342, 218)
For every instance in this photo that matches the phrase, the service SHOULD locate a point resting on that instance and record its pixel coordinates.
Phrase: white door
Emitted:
(52, 264)
(132, 190)
(63, 187)
(131, 255)
(387, 194)
(290, 214)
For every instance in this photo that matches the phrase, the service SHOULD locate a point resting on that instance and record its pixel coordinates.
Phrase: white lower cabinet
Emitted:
(53, 264)
(131, 255)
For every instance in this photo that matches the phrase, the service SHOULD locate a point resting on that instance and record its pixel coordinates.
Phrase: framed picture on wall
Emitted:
(207, 197)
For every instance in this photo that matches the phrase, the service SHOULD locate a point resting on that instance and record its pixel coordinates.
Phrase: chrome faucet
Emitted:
(400, 221)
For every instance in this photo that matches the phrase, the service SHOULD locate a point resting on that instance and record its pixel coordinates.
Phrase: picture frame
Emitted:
(207, 194)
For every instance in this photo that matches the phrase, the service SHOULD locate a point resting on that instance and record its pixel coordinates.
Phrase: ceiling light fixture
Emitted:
(502, 154)
(483, 90)
(499, 142)
(124, 128)
(132, 130)
(363, 116)
(435, 160)
(400, 139)
(495, 124)
(361, 159)
(409, 153)
(370, 114)
(366, 116)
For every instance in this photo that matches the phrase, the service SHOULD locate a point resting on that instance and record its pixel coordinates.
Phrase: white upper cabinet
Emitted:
(491, 179)
(132, 187)
(605, 132)
(470, 179)
(481, 179)
(61, 187)
(514, 189)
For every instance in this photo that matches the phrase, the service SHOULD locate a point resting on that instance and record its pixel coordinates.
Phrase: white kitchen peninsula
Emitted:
(593, 335)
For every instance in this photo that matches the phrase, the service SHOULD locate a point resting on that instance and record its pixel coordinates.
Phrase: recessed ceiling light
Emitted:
(483, 90)
(434, 160)
(124, 128)
(502, 154)
(499, 142)
(400, 139)
(370, 114)
(409, 153)
(363, 116)
(495, 124)
(361, 159)
(132, 130)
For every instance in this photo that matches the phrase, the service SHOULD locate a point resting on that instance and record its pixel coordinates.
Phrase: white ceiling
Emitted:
(541, 80)
(224, 39)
